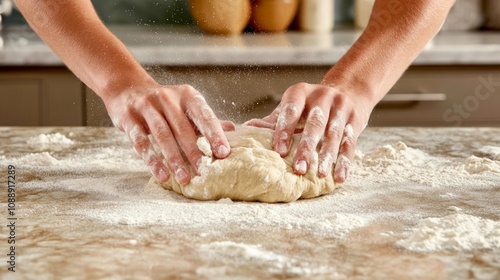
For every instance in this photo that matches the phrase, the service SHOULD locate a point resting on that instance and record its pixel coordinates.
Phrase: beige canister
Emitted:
(316, 15)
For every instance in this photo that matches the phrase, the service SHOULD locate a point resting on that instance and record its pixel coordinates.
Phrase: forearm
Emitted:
(396, 33)
(76, 34)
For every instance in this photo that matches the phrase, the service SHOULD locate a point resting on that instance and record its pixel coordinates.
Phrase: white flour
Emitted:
(493, 152)
(122, 197)
(455, 232)
(476, 165)
(246, 255)
(50, 139)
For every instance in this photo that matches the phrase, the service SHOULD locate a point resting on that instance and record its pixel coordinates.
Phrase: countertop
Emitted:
(85, 210)
(156, 45)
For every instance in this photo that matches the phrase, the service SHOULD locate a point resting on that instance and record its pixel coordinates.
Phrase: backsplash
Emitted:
(164, 12)
(161, 12)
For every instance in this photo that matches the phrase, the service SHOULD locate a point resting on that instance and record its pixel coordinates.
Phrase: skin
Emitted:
(338, 108)
(136, 103)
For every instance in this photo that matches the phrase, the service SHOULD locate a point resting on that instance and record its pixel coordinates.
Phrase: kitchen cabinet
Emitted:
(40, 96)
(424, 96)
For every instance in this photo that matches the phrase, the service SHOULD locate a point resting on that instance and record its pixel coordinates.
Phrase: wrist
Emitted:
(353, 85)
(115, 86)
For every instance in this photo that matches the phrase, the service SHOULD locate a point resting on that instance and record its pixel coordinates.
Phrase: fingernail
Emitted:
(323, 168)
(281, 149)
(163, 175)
(301, 167)
(222, 151)
(181, 176)
(342, 174)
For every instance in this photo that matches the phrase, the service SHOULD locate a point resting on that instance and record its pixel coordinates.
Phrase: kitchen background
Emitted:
(452, 83)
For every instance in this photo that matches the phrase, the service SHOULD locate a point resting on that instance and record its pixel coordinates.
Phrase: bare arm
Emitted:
(137, 104)
(339, 107)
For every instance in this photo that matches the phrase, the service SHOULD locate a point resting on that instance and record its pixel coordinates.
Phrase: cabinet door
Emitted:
(20, 102)
(424, 96)
(471, 98)
(40, 96)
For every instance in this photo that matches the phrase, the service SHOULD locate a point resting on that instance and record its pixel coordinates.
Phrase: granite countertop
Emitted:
(153, 45)
(85, 209)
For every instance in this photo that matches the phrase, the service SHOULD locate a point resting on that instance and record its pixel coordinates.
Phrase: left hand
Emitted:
(339, 115)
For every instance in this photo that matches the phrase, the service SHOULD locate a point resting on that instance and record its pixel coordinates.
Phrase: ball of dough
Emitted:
(252, 172)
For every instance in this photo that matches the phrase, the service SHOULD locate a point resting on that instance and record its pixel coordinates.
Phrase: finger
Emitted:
(144, 148)
(227, 125)
(162, 133)
(329, 150)
(170, 131)
(266, 122)
(346, 154)
(273, 117)
(259, 123)
(206, 121)
(290, 113)
(313, 131)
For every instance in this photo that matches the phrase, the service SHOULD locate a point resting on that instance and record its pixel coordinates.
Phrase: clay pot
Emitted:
(226, 17)
(273, 15)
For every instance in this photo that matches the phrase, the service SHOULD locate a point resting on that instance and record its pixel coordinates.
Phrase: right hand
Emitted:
(173, 115)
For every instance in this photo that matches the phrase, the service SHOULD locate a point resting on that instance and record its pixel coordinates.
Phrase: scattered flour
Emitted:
(248, 255)
(492, 152)
(393, 158)
(50, 139)
(455, 232)
(475, 165)
(210, 216)
(124, 198)
(40, 159)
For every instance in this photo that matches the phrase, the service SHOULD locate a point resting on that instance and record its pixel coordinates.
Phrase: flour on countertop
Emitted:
(248, 255)
(50, 139)
(493, 152)
(455, 232)
(393, 158)
(383, 179)
(476, 165)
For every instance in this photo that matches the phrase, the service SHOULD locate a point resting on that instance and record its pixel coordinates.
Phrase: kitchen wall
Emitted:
(165, 12)
(132, 12)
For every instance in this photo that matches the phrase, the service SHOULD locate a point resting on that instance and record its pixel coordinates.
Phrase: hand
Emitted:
(173, 115)
(327, 110)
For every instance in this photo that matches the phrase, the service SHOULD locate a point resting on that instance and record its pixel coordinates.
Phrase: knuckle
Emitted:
(301, 86)
(316, 118)
(141, 143)
(334, 133)
(188, 89)
(162, 133)
(323, 92)
(307, 145)
(175, 161)
(193, 154)
(348, 142)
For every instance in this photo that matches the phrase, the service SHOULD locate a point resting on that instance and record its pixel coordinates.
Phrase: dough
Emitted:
(252, 172)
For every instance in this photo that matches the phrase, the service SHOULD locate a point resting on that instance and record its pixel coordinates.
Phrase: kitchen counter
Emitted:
(156, 45)
(85, 209)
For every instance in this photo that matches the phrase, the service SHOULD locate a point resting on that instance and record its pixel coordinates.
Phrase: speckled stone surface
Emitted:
(58, 240)
(157, 45)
